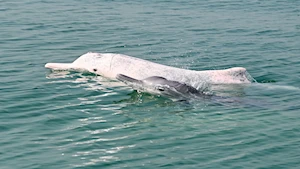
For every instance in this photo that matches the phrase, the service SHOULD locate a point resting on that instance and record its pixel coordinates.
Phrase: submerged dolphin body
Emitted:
(161, 86)
(109, 65)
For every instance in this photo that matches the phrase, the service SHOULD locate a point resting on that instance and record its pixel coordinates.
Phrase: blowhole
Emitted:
(95, 70)
(160, 89)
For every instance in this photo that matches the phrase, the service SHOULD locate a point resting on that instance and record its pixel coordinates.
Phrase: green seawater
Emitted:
(69, 120)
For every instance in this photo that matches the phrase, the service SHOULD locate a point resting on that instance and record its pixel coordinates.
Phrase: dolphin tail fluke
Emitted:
(58, 66)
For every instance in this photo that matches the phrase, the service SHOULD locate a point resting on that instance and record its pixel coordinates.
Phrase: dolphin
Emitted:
(161, 86)
(177, 91)
(109, 65)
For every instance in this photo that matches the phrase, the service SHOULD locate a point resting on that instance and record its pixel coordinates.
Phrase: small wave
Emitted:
(277, 87)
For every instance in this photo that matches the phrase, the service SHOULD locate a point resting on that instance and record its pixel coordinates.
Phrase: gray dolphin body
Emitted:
(161, 86)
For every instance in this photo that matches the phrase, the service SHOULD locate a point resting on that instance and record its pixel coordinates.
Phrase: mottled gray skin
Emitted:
(161, 86)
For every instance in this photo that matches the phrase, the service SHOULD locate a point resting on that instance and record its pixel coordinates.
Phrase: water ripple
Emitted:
(79, 120)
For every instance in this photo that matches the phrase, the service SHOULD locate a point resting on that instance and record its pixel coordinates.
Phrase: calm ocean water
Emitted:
(76, 120)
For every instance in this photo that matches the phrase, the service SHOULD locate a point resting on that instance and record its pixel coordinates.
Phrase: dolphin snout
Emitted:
(58, 66)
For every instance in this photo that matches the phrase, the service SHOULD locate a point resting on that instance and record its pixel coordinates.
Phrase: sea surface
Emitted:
(70, 120)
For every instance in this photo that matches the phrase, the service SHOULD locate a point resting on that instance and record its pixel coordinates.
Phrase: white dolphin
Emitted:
(109, 65)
